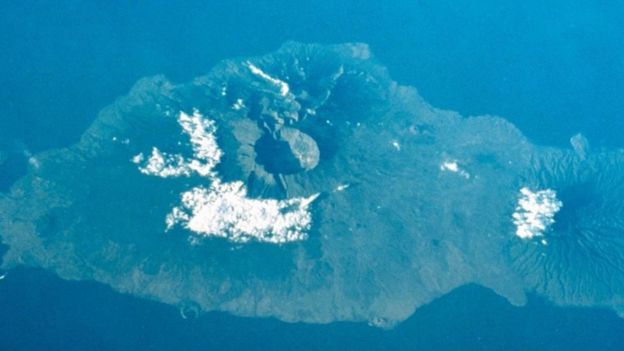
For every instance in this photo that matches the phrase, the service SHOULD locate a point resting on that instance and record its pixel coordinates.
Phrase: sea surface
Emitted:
(553, 68)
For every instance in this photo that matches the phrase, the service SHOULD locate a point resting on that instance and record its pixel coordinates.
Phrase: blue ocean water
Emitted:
(553, 69)
(40, 312)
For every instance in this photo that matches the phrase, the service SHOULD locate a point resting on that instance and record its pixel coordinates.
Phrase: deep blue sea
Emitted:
(553, 68)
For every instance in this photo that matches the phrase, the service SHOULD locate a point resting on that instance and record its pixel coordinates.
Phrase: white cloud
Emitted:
(239, 104)
(283, 86)
(206, 152)
(453, 166)
(223, 209)
(396, 145)
(163, 165)
(342, 187)
(535, 212)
